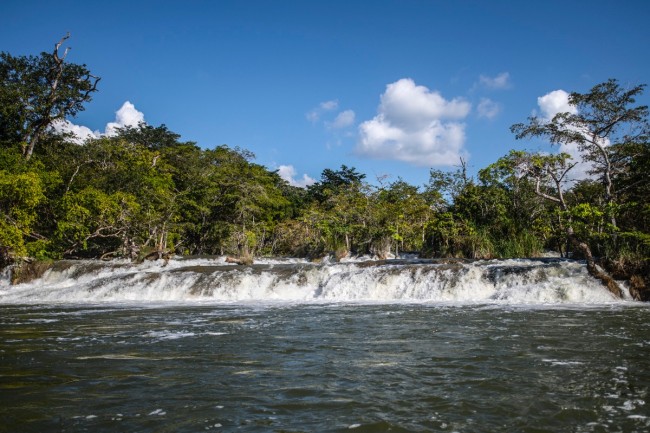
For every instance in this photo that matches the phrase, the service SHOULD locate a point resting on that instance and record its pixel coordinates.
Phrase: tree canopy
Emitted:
(37, 91)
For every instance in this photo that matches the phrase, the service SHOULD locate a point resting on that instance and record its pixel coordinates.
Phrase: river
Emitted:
(541, 348)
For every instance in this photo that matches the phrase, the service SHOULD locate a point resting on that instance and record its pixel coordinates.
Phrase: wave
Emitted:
(212, 280)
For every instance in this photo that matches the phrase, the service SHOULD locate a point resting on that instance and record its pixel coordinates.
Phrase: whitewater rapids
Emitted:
(211, 280)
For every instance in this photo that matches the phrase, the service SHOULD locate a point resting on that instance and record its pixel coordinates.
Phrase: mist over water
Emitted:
(526, 346)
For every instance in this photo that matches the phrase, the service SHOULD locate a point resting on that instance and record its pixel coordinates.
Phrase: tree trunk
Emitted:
(31, 143)
(592, 267)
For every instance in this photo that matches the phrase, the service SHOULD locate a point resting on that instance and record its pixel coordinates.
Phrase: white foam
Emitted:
(158, 412)
(562, 363)
(169, 335)
(210, 280)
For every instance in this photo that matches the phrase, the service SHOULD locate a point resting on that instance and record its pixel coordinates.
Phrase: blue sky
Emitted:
(389, 87)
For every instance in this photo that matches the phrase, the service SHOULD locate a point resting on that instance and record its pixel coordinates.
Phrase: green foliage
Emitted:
(41, 249)
(150, 137)
(611, 132)
(12, 237)
(523, 244)
(93, 215)
(334, 182)
(145, 191)
(20, 195)
(36, 91)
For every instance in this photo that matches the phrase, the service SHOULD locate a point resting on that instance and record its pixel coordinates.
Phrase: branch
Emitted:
(76, 172)
(55, 54)
(93, 88)
(58, 69)
(27, 233)
(543, 194)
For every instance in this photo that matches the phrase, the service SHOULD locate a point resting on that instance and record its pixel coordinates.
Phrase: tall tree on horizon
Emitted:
(37, 91)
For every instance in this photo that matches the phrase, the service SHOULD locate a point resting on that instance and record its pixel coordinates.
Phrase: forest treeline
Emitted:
(145, 191)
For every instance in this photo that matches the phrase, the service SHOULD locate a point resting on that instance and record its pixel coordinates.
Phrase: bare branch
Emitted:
(57, 46)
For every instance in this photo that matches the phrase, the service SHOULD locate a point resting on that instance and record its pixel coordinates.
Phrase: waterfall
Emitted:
(212, 280)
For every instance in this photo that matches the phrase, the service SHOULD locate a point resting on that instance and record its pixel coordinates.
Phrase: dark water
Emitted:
(320, 368)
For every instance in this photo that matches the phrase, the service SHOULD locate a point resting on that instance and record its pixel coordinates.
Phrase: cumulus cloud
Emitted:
(488, 109)
(415, 125)
(127, 115)
(77, 133)
(556, 102)
(288, 173)
(501, 81)
(315, 114)
(343, 120)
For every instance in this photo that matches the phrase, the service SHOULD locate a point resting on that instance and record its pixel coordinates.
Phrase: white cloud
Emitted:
(79, 133)
(488, 108)
(315, 114)
(501, 81)
(343, 120)
(329, 105)
(288, 173)
(415, 125)
(127, 115)
(555, 102)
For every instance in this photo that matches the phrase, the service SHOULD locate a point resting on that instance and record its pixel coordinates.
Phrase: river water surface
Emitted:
(353, 348)
(319, 368)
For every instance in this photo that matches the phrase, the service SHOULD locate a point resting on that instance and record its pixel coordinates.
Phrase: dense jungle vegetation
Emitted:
(146, 191)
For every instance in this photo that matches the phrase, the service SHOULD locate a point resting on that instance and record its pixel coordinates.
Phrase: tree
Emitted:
(37, 91)
(604, 124)
(331, 182)
(604, 119)
(517, 219)
(234, 203)
(151, 137)
(95, 223)
(400, 215)
(20, 194)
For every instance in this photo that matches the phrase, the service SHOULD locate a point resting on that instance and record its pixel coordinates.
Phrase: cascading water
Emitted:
(211, 280)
